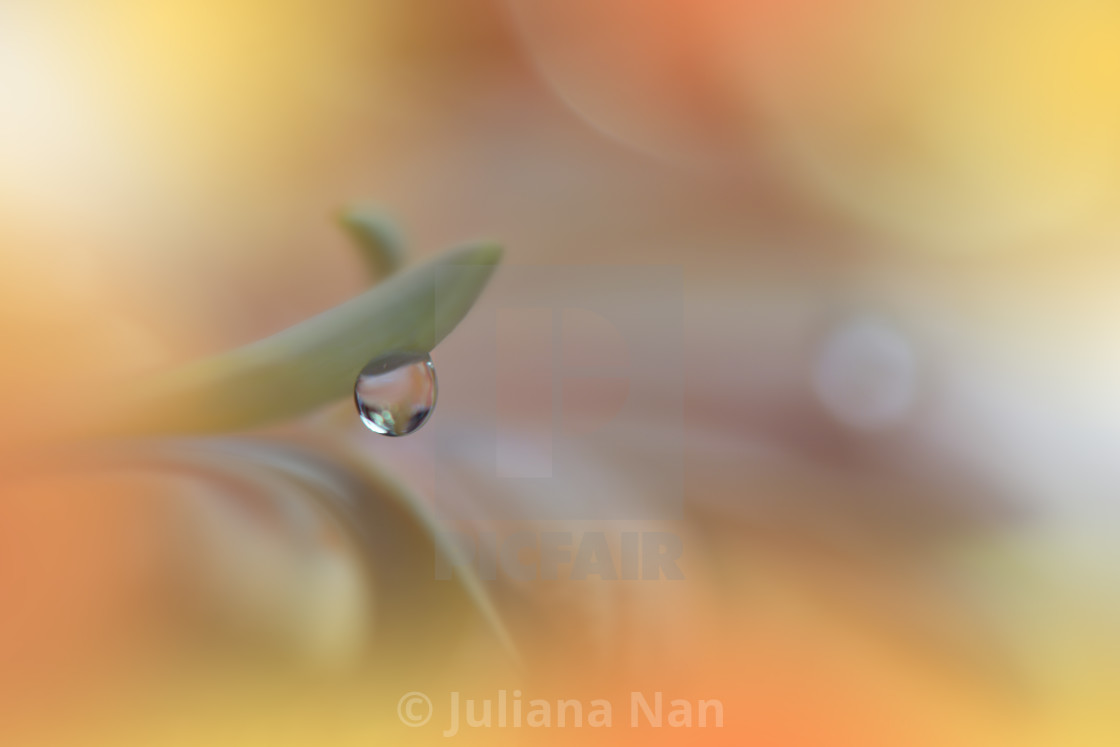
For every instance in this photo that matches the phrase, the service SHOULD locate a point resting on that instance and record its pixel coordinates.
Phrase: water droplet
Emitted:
(396, 393)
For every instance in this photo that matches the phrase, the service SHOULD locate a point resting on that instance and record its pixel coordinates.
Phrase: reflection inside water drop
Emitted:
(396, 393)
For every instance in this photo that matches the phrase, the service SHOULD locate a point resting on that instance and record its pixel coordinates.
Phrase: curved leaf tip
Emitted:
(376, 237)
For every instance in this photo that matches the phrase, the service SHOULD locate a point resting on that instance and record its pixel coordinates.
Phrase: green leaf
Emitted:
(311, 363)
(368, 520)
(398, 535)
(376, 237)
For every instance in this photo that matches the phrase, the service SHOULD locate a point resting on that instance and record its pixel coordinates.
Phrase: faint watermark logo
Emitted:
(554, 370)
(510, 709)
(414, 709)
(528, 555)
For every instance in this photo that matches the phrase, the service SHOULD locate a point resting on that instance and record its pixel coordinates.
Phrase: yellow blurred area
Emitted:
(955, 126)
(180, 97)
(961, 126)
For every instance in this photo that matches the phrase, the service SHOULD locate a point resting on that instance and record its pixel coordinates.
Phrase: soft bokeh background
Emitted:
(898, 421)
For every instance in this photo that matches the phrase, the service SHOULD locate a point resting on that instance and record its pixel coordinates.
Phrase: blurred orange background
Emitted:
(898, 413)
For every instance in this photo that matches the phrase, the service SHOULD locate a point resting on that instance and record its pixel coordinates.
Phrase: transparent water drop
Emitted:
(396, 393)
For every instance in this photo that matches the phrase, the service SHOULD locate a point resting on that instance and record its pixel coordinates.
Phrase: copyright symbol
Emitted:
(414, 709)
